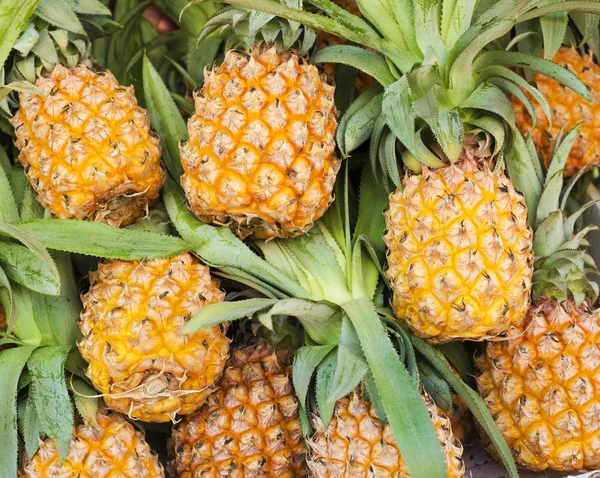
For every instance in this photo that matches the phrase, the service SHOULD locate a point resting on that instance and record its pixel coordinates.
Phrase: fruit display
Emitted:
(338, 238)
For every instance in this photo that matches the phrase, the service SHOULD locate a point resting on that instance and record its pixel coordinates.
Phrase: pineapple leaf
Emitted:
(88, 7)
(354, 108)
(456, 19)
(344, 17)
(13, 21)
(213, 314)
(306, 361)
(166, 119)
(50, 395)
(514, 59)
(359, 126)
(219, 247)
(321, 321)
(351, 366)
(30, 207)
(522, 171)
(102, 240)
(435, 386)
(559, 158)
(373, 199)
(490, 72)
(12, 362)
(29, 425)
(9, 211)
(410, 423)
(387, 153)
(456, 353)
(404, 14)
(7, 300)
(427, 31)
(549, 235)
(570, 222)
(554, 26)
(381, 14)
(371, 63)
(488, 97)
(550, 196)
(23, 266)
(378, 132)
(471, 398)
(59, 14)
(85, 400)
(399, 113)
(248, 280)
(33, 244)
(324, 382)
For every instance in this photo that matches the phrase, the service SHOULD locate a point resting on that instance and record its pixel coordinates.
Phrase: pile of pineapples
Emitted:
(285, 239)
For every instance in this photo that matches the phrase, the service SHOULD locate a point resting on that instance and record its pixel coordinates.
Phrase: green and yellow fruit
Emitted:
(249, 427)
(110, 447)
(261, 151)
(87, 147)
(138, 356)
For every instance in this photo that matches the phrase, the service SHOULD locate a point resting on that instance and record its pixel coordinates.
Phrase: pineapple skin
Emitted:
(87, 147)
(542, 387)
(111, 447)
(249, 427)
(568, 110)
(459, 253)
(356, 445)
(261, 150)
(138, 356)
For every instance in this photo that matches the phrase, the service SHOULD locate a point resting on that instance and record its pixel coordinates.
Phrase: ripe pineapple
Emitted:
(568, 110)
(138, 357)
(542, 384)
(87, 147)
(261, 150)
(542, 387)
(459, 252)
(356, 444)
(110, 447)
(249, 427)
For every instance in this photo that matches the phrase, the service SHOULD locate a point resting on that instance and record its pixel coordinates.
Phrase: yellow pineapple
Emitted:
(87, 147)
(542, 384)
(249, 427)
(356, 444)
(568, 109)
(110, 447)
(261, 150)
(459, 253)
(138, 357)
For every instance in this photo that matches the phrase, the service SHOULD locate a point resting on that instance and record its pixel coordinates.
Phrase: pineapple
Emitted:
(541, 385)
(357, 444)
(138, 357)
(109, 447)
(249, 427)
(459, 252)
(87, 147)
(260, 156)
(568, 110)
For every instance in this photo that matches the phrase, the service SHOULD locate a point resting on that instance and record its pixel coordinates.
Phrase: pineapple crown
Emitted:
(247, 29)
(437, 82)
(48, 33)
(562, 265)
